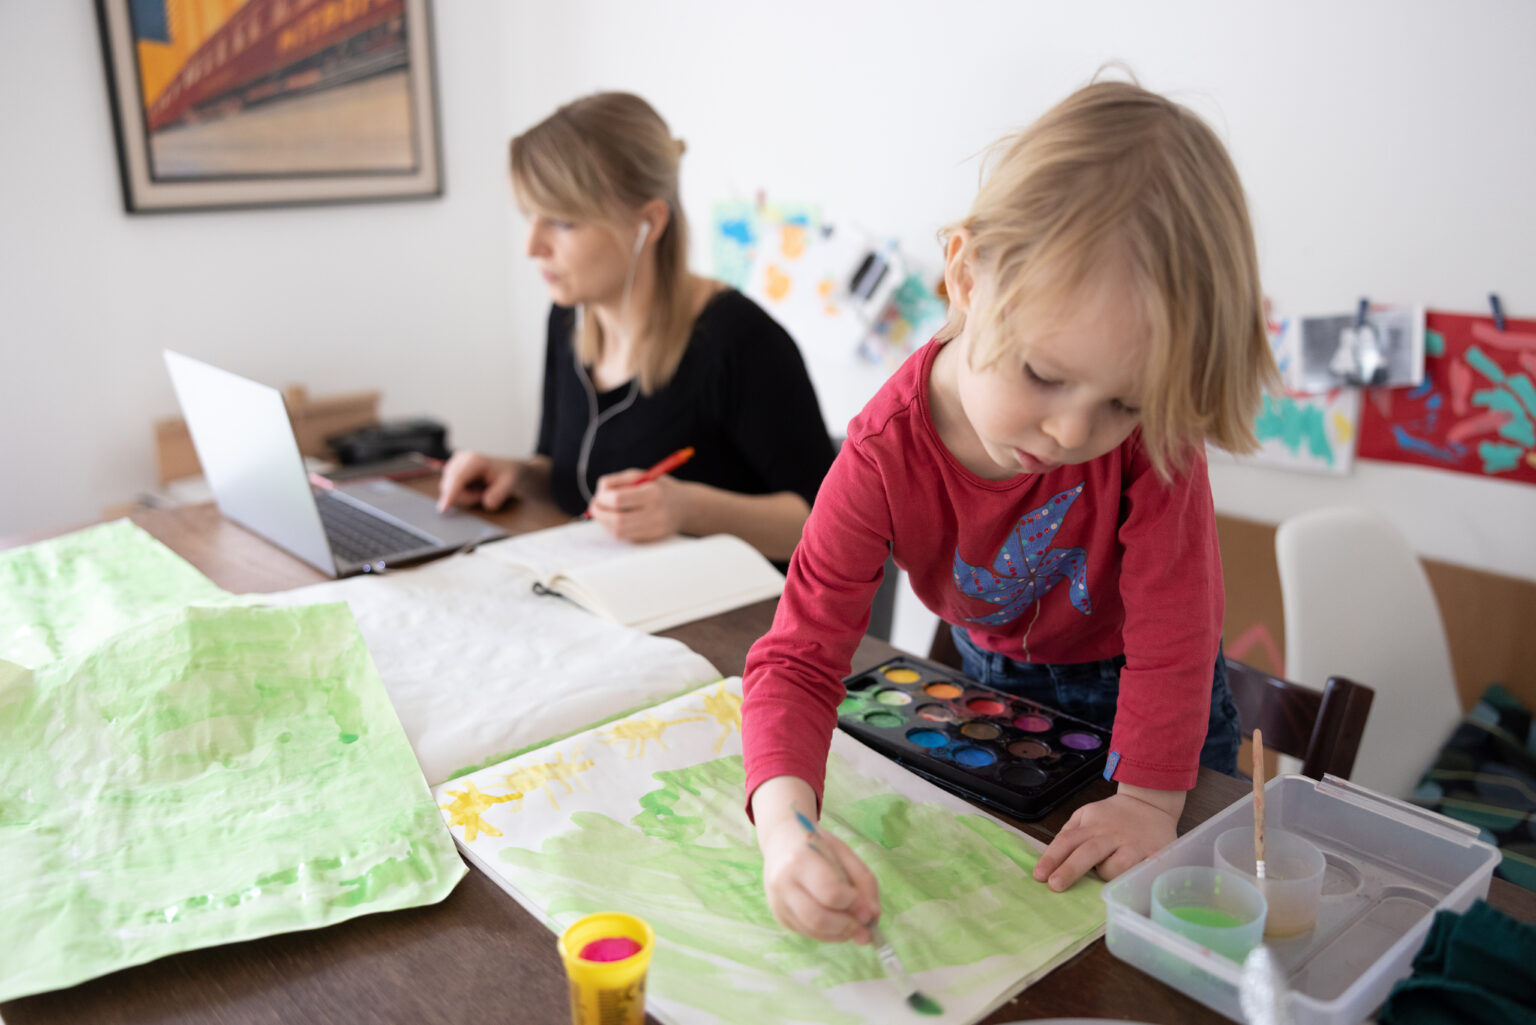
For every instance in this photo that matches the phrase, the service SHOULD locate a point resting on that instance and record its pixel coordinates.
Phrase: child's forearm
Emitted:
(1169, 801)
(776, 801)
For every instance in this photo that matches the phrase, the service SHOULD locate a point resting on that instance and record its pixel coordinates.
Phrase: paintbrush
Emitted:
(916, 999)
(1258, 804)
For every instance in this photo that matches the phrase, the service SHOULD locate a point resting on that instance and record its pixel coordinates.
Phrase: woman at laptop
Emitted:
(645, 358)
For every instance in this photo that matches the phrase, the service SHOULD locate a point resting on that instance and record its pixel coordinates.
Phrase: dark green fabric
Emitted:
(1474, 968)
(1486, 775)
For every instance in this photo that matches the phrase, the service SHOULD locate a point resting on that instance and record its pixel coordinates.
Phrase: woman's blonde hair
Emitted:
(600, 158)
(1115, 171)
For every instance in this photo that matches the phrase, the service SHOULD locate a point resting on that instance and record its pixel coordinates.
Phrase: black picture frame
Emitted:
(271, 102)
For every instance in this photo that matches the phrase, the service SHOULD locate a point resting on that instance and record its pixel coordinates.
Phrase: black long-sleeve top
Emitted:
(741, 398)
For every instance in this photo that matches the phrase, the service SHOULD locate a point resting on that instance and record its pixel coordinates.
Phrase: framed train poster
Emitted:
(233, 103)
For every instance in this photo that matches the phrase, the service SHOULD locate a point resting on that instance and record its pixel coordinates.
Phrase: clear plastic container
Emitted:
(1390, 866)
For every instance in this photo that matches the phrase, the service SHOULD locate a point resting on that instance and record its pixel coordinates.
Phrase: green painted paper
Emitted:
(955, 888)
(66, 595)
(207, 776)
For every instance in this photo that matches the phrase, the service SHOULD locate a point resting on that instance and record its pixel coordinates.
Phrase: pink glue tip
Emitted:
(612, 948)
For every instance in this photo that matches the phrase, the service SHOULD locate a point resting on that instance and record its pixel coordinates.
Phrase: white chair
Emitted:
(1358, 604)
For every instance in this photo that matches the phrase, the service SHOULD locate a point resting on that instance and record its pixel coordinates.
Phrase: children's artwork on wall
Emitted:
(1301, 431)
(223, 103)
(645, 815)
(855, 305)
(800, 272)
(733, 240)
(207, 776)
(913, 315)
(1308, 432)
(1381, 348)
(1474, 413)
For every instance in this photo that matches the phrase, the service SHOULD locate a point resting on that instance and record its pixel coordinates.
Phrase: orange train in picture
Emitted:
(272, 49)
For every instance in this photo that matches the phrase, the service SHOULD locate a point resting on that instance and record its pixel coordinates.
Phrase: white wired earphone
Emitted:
(594, 421)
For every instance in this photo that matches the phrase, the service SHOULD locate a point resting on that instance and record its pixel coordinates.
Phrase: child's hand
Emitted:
(1113, 835)
(807, 893)
(637, 512)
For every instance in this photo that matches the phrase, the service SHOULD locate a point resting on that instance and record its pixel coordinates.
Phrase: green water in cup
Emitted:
(1215, 908)
(1208, 917)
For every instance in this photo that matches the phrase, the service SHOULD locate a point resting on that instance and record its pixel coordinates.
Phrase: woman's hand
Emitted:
(473, 478)
(638, 512)
(1111, 835)
(807, 893)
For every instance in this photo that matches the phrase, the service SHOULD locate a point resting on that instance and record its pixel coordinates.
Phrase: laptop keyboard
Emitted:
(357, 536)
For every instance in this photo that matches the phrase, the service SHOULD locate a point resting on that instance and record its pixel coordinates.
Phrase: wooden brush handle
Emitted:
(1258, 796)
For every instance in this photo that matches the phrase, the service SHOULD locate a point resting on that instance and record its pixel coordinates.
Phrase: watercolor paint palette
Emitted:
(1013, 755)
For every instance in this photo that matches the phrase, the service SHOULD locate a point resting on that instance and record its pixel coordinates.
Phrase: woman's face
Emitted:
(580, 261)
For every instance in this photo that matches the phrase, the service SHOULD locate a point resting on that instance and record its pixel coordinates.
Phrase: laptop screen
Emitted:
(250, 458)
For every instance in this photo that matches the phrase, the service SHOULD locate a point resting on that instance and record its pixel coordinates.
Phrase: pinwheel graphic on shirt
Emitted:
(1027, 567)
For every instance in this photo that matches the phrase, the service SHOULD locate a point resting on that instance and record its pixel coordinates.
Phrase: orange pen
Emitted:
(661, 469)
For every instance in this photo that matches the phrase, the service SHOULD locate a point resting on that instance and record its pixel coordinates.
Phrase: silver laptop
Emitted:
(251, 461)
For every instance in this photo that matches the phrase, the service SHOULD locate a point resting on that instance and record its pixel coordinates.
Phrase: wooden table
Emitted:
(477, 956)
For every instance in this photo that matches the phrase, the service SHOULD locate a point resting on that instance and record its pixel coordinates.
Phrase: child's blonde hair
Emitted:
(599, 159)
(1114, 169)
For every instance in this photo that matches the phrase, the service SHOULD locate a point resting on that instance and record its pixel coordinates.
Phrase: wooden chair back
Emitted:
(1322, 728)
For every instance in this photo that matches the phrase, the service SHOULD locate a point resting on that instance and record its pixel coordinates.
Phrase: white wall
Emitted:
(408, 297)
(1385, 146)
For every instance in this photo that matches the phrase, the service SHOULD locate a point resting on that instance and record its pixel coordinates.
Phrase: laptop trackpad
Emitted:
(411, 507)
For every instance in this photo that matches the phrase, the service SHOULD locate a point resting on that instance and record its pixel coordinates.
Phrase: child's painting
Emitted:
(206, 776)
(242, 102)
(1308, 432)
(645, 815)
(733, 241)
(66, 595)
(1298, 430)
(853, 306)
(1474, 413)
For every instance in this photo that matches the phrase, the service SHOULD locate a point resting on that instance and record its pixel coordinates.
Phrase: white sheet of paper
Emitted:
(478, 666)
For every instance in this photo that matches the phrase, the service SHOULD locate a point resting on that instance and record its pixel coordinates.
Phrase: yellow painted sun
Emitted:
(726, 709)
(636, 733)
(541, 774)
(466, 807)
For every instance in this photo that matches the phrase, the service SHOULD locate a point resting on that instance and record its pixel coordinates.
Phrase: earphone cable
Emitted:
(594, 421)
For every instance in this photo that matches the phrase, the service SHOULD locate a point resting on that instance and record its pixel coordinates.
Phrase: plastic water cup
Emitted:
(1293, 876)
(606, 956)
(1217, 908)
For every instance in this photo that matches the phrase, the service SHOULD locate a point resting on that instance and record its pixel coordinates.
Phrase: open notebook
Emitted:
(649, 587)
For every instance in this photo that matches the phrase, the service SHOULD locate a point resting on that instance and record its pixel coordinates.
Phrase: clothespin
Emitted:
(1498, 310)
(1365, 308)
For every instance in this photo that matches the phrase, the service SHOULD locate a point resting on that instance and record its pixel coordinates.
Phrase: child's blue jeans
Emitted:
(1089, 690)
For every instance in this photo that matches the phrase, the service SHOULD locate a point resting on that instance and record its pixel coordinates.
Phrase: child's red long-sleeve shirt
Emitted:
(1075, 565)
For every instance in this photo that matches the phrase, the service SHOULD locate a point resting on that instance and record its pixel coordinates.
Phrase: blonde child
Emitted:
(1037, 469)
